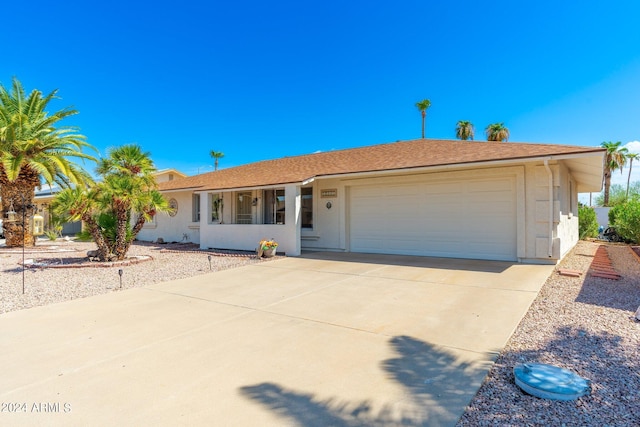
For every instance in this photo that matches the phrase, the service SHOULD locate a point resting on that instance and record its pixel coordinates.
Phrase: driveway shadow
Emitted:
(438, 387)
(413, 261)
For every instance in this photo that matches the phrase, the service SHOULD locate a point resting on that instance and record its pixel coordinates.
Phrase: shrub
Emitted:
(51, 234)
(626, 220)
(587, 222)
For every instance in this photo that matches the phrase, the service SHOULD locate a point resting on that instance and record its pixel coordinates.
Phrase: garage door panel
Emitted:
(444, 188)
(489, 186)
(470, 219)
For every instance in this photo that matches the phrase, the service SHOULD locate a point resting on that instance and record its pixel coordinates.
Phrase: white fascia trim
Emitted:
(456, 166)
(308, 180)
(179, 190)
(261, 187)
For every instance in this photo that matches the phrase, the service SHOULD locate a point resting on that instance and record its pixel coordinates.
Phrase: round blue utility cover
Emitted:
(550, 382)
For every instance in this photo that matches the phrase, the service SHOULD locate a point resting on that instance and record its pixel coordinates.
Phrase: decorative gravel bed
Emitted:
(585, 324)
(46, 285)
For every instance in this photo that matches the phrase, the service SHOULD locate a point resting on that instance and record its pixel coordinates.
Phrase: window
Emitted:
(195, 204)
(243, 208)
(215, 207)
(273, 206)
(307, 207)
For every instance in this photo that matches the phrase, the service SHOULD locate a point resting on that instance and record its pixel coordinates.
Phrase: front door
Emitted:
(243, 208)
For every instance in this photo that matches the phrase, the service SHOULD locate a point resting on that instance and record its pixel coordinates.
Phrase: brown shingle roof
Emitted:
(394, 156)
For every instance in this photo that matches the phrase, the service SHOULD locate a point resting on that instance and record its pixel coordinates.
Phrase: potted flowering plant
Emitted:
(267, 248)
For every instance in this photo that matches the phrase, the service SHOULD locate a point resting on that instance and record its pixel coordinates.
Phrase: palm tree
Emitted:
(34, 151)
(216, 155)
(497, 132)
(616, 158)
(115, 210)
(464, 130)
(423, 106)
(631, 157)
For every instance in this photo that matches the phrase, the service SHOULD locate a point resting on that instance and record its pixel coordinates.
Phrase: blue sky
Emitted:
(260, 80)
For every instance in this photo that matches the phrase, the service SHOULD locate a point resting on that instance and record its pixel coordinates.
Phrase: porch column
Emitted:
(293, 202)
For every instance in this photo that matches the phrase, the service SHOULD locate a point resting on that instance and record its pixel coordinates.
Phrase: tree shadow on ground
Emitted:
(621, 295)
(612, 369)
(15, 270)
(438, 387)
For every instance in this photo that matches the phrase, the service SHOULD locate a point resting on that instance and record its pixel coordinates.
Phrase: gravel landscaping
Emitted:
(150, 263)
(585, 324)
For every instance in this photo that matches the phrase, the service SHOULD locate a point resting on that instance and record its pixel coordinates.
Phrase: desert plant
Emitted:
(465, 130)
(587, 222)
(618, 194)
(216, 156)
(115, 210)
(34, 148)
(625, 218)
(51, 234)
(631, 157)
(497, 132)
(54, 230)
(615, 159)
(423, 106)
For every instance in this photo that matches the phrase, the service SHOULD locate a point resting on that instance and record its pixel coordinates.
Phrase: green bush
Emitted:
(612, 214)
(51, 234)
(587, 222)
(625, 218)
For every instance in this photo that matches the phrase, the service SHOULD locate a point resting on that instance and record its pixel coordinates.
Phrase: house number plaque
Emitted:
(329, 193)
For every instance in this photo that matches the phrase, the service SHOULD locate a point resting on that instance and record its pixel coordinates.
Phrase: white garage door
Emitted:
(462, 219)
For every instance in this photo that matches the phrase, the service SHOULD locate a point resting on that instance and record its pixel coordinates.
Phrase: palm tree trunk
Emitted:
(607, 185)
(137, 226)
(103, 248)
(424, 116)
(19, 195)
(629, 177)
(122, 217)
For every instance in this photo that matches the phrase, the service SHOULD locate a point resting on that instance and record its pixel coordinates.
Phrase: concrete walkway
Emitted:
(323, 339)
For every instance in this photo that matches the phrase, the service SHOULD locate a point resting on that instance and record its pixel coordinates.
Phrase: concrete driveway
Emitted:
(322, 339)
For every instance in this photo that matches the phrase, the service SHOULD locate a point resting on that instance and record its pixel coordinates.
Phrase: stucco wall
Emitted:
(564, 226)
(227, 235)
(329, 215)
(179, 228)
(567, 229)
(540, 219)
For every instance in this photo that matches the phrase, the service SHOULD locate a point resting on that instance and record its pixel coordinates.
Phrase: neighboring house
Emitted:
(479, 200)
(164, 175)
(42, 199)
